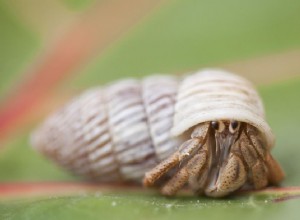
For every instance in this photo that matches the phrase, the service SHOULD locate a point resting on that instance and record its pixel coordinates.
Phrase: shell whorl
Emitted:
(119, 132)
(115, 133)
(213, 94)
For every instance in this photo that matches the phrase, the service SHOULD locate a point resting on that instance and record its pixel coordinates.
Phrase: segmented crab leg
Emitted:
(153, 175)
(198, 171)
(252, 156)
(276, 174)
(176, 182)
(189, 173)
(231, 178)
(263, 167)
(187, 149)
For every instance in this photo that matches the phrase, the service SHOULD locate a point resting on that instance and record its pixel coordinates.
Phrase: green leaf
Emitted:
(282, 106)
(185, 35)
(18, 45)
(78, 4)
(140, 206)
(19, 162)
(281, 103)
(181, 35)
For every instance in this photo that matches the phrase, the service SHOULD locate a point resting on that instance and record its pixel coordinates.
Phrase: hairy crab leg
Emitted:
(176, 182)
(198, 171)
(276, 174)
(187, 149)
(191, 170)
(254, 162)
(184, 151)
(265, 170)
(231, 178)
(153, 175)
(259, 175)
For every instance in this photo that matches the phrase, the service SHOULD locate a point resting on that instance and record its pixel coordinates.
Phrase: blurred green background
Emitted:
(52, 49)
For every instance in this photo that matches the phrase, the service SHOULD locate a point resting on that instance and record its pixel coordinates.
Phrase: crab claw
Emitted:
(231, 177)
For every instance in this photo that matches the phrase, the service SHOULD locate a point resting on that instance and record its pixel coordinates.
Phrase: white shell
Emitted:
(118, 132)
(218, 95)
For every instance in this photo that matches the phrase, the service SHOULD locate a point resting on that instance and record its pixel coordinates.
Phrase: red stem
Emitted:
(100, 26)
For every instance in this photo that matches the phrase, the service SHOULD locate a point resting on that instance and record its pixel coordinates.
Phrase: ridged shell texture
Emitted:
(114, 133)
(118, 132)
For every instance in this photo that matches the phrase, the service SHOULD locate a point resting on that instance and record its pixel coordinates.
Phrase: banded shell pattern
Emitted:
(114, 133)
(120, 131)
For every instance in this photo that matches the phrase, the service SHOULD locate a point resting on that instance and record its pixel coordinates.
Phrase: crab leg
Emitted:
(153, 175)
(231, 178)
(176, 182)
(187, 149)
(276, 173)
(267, 167)
(198, 171)
(254, 158)
(192, 170)
(259, 175)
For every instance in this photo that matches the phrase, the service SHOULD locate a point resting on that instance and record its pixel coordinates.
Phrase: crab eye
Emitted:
(234, 125)
(218, 125)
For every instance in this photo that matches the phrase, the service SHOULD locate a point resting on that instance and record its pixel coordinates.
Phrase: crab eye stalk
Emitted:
(218, 126)
(215, 125)
(234, 126)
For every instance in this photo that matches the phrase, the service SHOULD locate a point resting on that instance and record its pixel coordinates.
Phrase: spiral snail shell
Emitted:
(207, 130)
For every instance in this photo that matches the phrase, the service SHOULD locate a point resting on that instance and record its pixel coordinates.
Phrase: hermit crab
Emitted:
(206, 130)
